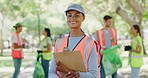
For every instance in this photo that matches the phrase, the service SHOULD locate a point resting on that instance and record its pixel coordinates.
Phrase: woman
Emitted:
(77, 40)
(46, 50)
(136, 52)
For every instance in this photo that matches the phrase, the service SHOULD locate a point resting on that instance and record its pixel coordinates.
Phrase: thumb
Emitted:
(58, 63)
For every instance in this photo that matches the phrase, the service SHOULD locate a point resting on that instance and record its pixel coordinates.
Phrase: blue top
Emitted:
(92, 63)
(107, 38)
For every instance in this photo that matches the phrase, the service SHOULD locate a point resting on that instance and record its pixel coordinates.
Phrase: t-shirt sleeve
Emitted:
(14, 39)
(49, 41)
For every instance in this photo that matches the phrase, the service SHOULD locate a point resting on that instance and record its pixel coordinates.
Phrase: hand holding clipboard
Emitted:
(71, 60)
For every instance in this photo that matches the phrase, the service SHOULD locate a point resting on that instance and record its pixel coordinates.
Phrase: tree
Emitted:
(137, 8)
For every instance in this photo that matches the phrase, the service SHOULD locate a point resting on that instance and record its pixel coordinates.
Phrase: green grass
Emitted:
(7, 61)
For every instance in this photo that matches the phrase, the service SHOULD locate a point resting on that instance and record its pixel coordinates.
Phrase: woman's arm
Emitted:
(138, 49)
(52, 69)
(49, 48)
(16, 46)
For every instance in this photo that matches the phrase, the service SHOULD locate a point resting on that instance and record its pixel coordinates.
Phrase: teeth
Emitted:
(73, 22)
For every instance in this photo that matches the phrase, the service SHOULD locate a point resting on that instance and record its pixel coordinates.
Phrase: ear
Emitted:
(83, 18)
(104, 21)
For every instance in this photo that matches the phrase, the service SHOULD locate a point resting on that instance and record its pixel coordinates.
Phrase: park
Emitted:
(35, 15)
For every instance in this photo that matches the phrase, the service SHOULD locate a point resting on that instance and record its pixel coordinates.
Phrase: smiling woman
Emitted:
(75, 41)
(74, 19)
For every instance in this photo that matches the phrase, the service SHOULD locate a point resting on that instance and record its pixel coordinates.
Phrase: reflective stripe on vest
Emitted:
(101, 37)
(140, 56)
(80, 47)
(17, 53)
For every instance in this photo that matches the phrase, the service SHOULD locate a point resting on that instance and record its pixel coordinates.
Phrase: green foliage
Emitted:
(32, 24)
(145, 16)
(51, 14)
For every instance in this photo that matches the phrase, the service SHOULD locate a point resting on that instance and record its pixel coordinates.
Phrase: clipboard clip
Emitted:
(66, 49)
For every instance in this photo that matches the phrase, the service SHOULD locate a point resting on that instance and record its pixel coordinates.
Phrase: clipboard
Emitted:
(71, 59)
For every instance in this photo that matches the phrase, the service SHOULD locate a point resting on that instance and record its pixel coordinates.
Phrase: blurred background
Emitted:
(38, 14)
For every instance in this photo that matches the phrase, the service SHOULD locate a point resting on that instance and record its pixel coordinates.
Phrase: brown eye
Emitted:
(77, 16)
(69, 16)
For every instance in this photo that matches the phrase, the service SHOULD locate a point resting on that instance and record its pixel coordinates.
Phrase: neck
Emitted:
(76, 33)
(45, 36)
(106, 27)
(135, 34)
(17, 32)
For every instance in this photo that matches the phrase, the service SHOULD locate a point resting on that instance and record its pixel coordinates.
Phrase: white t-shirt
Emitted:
(15, 39)
(44, 43)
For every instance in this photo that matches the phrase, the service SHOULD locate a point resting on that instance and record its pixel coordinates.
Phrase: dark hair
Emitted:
(48, 32)
(67, 11)
(106, 17)
(136, 27)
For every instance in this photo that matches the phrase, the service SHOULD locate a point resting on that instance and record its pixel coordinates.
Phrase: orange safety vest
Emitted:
(80, 47)
(17, 53)
(101, 37)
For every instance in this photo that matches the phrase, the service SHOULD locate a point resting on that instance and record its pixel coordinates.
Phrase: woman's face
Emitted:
(74, 19)
(44, 32)
(133, 30)
(19, 29)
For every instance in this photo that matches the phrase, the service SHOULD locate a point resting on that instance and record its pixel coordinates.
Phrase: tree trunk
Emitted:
(120, 11)
(1, 38)
(136, 8)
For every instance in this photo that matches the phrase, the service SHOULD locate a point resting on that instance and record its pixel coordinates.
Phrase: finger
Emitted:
(58, 68)
(76, 75)
(67, 75)
(57, 62)
(70, 75)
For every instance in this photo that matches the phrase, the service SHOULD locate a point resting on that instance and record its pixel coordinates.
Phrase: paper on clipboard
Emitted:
(72, 60)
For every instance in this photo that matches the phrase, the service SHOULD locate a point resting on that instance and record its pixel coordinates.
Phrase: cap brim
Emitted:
(73, 9)
(18, 26)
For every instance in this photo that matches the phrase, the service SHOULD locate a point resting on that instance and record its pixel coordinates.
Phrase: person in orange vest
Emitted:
(76, 41)
(106, 37)
(17, 49)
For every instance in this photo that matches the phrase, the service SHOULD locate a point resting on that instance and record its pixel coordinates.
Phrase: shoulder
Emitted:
(139, 38)
(14, 36)
(59, 40)
(99, 30)
(114, 29)
(49, 38)
(89, 39)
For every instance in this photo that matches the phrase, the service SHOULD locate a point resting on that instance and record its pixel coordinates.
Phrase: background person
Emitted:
(135, 52)
(17, 49)
(106, 37)
(46, 50)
